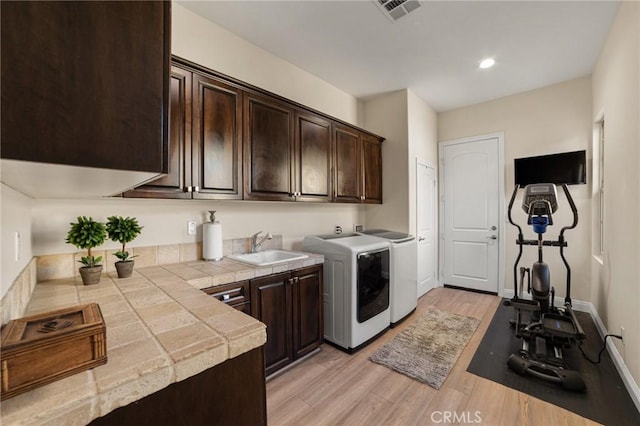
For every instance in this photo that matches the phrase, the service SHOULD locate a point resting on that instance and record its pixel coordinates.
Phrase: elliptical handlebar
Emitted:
(574, 210)
(519, 241)
(513, 198)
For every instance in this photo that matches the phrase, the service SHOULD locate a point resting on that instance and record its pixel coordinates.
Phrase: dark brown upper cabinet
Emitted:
(268, 149)
(216, 139)
(205, 130)
(287, 152)
(86, 83)
(312, 158)
(178, 178)
(348, 157)
(372, 169)
(229, 140)
(358, 175)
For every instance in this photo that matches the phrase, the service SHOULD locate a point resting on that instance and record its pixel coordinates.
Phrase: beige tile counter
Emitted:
(161, 328)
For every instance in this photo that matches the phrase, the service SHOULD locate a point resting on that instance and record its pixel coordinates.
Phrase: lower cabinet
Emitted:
(290, 304)
(231, 393)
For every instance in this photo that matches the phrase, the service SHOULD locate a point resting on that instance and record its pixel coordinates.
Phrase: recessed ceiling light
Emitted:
(487, 63)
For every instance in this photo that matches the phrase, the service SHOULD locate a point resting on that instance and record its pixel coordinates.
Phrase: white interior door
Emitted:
(426, 227)
(470, 221)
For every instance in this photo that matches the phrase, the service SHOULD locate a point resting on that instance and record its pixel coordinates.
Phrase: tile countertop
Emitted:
(160, 329)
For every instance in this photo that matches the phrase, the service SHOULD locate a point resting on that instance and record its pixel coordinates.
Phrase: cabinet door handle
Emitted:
(196, 189)
(362, 197)
(290, 281)
(226, 297)
(189, 188)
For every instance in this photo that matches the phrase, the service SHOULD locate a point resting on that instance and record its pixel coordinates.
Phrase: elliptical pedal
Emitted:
(569, 379)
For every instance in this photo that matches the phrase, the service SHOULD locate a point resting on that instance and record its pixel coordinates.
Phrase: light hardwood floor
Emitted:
(334, 388)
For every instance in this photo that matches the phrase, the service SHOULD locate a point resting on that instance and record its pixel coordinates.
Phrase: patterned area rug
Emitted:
(428, 348)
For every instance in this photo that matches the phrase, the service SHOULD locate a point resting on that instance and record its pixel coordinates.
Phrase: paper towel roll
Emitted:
(212, 241)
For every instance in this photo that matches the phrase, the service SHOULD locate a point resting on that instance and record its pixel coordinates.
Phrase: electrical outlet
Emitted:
(622, 332)
(357, 228)
(338, 229)
(191, 227)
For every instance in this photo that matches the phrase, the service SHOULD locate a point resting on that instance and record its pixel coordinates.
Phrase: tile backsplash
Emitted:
(65, 265)
(15, 300)
(55, 266)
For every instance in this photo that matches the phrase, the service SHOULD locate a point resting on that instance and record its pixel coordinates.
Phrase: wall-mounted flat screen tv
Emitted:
(565, 167)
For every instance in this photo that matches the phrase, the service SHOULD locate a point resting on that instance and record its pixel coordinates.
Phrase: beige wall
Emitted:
(199, 40)
(16, 217)
(410, 126)
(552, 119)
(423, 145)
(386, 115)
(165, 221)
(616, 93)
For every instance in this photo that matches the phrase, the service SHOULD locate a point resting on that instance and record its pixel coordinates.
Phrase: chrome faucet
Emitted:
(257, 245)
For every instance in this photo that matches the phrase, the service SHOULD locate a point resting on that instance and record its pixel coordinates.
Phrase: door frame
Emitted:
(436, 226)
(501, 201)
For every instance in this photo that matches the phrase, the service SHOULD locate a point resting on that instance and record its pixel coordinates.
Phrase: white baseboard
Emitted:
(625, 374)
(618, 361)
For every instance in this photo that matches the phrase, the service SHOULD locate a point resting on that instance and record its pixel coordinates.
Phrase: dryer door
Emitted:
(373, 284)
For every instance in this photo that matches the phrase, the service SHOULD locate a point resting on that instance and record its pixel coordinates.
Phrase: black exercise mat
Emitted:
(606, 400)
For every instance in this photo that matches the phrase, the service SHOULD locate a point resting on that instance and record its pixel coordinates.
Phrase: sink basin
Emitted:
(267, 257)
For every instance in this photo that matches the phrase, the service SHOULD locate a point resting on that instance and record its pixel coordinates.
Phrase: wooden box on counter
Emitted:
(43, 348)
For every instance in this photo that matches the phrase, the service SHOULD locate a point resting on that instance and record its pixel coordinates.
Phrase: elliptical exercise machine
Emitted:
(544, 328)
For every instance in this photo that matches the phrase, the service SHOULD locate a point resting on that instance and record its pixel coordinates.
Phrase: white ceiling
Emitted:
(434, 51)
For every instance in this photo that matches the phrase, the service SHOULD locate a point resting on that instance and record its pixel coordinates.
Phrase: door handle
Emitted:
(421, 238)
(493, 237)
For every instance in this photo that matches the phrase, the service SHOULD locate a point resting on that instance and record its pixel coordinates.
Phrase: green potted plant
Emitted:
(87, 233)
(123, 230)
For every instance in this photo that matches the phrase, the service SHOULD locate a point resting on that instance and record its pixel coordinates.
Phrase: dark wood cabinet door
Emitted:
(86, 83)
(313, 158)
(178, 178)
(372, 169)
(271, 304)
(348, 161)
(308, 326)
(268, 146)
(231, 393)
(216, 139)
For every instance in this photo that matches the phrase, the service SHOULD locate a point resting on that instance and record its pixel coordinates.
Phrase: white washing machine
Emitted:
(356, 287)
(403, 272)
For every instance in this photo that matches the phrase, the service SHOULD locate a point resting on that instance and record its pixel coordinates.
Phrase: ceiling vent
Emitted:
(396, 9)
